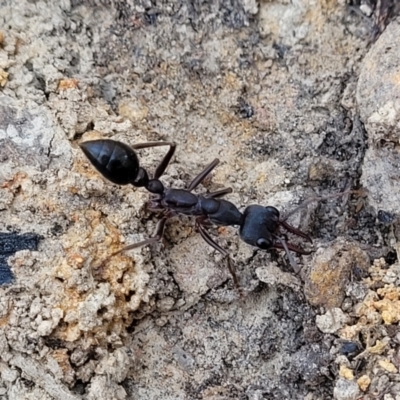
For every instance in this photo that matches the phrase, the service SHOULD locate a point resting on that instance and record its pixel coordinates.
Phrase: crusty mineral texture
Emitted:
(331, 272)
(378, 97)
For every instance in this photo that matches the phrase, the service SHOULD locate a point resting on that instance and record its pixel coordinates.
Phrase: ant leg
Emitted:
(295, 231)
(206, 236)
(158, 234)
(291, 247)
(167, 158)
(317, 198)
(199, 178)
(285, 246)
(219, 193)
(196, 181)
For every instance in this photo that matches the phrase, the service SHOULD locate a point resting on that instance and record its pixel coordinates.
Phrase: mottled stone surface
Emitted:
(331, 270)
(378, 97)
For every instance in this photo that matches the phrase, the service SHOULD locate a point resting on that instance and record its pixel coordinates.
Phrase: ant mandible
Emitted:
(258, 225)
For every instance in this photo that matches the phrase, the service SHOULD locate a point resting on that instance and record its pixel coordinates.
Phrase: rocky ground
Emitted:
(298, 99)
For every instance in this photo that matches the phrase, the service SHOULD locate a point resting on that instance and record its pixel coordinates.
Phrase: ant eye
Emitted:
(264, 243)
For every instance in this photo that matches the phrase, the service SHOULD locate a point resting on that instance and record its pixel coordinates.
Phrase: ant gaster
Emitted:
(258, 225)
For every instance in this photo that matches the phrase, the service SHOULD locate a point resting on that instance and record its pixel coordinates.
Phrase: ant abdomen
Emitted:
(116, 161)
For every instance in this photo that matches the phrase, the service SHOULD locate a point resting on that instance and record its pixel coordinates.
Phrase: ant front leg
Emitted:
(321, 198)
(294, 230)
(200, 224)
(281, 244)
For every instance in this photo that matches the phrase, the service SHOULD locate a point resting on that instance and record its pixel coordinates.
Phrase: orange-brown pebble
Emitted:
(75, 260)
(3, 77)
(62, 358)
(65, 84)
(330, 272)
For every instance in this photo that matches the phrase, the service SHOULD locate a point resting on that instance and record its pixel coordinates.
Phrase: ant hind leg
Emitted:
(166, 159)
(157, 236)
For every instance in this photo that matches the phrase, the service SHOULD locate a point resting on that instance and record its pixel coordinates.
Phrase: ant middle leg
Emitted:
(282, 244)
(219, 193)
(201, 176)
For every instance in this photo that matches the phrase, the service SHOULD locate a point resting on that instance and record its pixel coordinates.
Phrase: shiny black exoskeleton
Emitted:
(258, 225)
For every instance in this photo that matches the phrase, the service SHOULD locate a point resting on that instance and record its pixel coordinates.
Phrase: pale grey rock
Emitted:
(346, 390)
(378, 97)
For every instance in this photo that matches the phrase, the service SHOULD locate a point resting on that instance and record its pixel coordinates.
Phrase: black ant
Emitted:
(258, 225)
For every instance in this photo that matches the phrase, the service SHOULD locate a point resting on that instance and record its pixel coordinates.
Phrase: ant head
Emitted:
(116, 161)
(259, 226)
